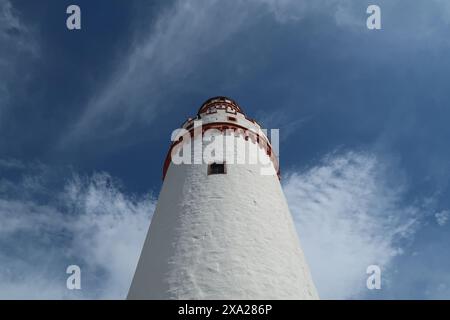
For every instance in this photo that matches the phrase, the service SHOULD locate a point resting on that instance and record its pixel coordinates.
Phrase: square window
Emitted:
(216, 168)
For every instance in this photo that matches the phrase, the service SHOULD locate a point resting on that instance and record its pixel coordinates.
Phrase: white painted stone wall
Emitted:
(225, 236)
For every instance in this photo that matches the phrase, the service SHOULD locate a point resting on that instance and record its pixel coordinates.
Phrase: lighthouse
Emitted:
(222, 227)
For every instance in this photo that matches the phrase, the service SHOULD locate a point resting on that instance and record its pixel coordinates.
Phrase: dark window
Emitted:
(231, 110)
(216, 168)
(232, 119)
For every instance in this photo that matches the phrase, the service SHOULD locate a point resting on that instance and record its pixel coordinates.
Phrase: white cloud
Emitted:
(90, 223)
(349, 216)
(8, 20)
(442, 217)
(342, 12)
(287, 124)
(11, 163)
(16, 44)
(15, 36)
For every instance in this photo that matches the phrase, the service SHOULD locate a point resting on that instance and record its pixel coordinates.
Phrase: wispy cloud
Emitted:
(282, 121)
(11, 164)
(442, 217)
(17, 45)
(12, 28)
(349, 215)
(172, 49)
(342, 12)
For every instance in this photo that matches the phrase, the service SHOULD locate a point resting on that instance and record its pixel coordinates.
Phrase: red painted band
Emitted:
(261, 140)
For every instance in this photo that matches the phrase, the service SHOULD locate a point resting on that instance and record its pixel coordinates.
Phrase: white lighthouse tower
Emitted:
(222, 228)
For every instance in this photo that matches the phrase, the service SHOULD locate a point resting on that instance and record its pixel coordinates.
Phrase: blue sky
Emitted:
(86, 118)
